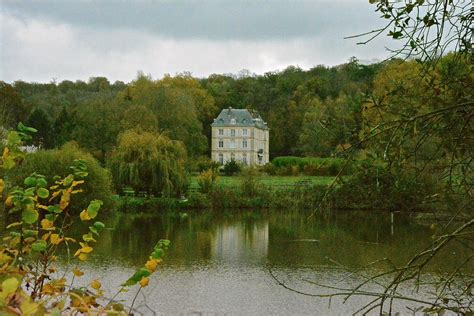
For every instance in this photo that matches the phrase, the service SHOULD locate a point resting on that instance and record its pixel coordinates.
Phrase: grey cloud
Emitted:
(215, 20)
(40, 41)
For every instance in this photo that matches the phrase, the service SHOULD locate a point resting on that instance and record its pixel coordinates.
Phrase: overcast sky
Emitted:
(57, 40)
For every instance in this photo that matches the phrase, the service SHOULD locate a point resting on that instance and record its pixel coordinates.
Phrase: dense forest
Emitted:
(93, 114)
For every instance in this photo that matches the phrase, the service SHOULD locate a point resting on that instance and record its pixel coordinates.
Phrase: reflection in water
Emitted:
(239, 242)
(217, 263)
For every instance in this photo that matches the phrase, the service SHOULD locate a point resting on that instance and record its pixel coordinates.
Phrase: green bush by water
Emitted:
(310, 166)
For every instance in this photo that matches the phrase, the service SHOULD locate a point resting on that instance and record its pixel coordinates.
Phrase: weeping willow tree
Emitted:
(149, 162)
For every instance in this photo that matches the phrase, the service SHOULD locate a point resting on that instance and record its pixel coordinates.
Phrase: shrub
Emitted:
(204, 163)
(57, 162)
(295, 170)
(249, 183)
(231, 167)
(269, 169)
(379, 187)
(199, 200)
(206, 180)
(311, 166)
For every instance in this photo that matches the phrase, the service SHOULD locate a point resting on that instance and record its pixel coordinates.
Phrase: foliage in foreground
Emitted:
(418, 124)
(58, 162)
(30, 283)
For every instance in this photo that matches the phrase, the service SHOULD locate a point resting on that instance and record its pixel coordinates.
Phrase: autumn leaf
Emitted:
(77, 272)
(46, 224)
(84, 216)
(55, 239)
(152, 264)
(48, 289)
(144, 282)
(65, 198)
(96, 284)
(9, 201)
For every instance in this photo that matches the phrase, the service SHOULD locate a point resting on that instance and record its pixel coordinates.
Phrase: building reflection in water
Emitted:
(237, 242)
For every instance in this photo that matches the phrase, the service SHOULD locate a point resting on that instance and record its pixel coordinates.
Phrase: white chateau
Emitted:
(242, 135)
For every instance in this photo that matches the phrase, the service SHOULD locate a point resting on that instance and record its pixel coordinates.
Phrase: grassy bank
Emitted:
(262, 192)
(267, 181)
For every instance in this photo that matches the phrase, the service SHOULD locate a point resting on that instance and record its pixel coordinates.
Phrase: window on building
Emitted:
(244, 132)
(232, 132)
(221, 159)
(221, 143)
(244, 144)
(232, 144)
(244, 159)
(232, 121)
(221, 132)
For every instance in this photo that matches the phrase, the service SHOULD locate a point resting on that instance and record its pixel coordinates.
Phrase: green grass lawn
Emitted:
(226, 181)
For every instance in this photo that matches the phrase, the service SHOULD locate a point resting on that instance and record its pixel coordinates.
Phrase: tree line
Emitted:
(322, 106)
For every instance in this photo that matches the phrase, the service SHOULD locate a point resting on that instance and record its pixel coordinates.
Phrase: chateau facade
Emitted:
(242, 135)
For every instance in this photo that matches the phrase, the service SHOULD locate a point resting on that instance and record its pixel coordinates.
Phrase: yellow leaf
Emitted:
(86, 249)
(144, 282)
(65, 198)
(152, 264)
(75, 183)
(55, 239)
(55, 194)
(2, 185)
(43, 207)
(48, 289)
(96, 284)
(46, 224)
(46, 236)
(9, 201)
(29, 308)
(77, 272)
(10, 285)
(84, 216)
(14, 224)
(83, 257)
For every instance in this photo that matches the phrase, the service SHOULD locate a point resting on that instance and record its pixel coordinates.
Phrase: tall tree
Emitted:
(149, 162)
(12, 109)
(44, 137)
(97, 125)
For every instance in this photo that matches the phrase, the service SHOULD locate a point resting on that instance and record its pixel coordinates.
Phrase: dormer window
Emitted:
(232, 121)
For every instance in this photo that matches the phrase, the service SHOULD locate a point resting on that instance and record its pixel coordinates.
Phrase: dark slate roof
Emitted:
(243, 117)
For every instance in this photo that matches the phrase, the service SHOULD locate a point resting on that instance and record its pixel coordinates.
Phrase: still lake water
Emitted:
(219, 263)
